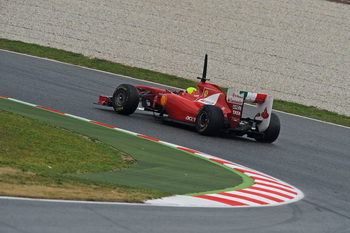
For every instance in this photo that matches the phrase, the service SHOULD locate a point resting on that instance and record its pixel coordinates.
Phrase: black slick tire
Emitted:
(272, 132)
(209, 120)
(125, 99)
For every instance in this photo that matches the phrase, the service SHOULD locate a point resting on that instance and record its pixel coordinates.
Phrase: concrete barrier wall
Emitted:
(295, 50)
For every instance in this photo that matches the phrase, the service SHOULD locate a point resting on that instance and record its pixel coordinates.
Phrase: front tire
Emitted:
(209, 120)
(125, 99)
(272, 132)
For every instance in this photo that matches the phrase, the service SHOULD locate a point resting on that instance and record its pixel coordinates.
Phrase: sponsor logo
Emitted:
(245, 94)
(190, 118)
(235, 102)
(206, 92)
(237, 96)
(237, 107)
(236, 112)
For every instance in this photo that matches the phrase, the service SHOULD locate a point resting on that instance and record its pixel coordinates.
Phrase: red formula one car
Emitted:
(209, 109)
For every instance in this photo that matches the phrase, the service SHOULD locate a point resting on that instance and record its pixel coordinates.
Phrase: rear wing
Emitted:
(264, 106)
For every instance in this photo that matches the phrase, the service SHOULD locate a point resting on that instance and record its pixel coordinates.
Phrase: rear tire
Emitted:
(209, 120)
(125, 99)
(272, 132)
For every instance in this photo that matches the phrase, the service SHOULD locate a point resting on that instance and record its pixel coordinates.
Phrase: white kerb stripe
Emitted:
(269, 194)
(250, 203)
(256, 197)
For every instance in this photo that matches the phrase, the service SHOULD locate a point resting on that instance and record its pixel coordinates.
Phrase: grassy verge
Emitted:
(159, 167)
(35, 158)
(143, 74)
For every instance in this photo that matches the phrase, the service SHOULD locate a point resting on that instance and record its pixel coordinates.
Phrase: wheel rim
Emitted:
(120, 98)
(203, 120)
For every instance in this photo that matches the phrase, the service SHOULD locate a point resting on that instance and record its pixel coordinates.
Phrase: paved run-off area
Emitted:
(295, 50)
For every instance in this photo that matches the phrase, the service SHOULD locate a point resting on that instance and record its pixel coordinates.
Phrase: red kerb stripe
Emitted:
(153, 139)
(256, 173)
(222, 200)
(2, 96)
(271, 191)
(260, 195)
(276, 187)
(223, 162)
(51, 110)
(98, 123)
(257, 179)
(188, 150)
(245, 198)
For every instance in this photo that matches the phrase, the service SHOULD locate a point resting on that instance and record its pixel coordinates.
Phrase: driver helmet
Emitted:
(190, 90)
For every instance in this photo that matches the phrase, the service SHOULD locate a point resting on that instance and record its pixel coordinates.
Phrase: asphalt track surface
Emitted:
(310, 155)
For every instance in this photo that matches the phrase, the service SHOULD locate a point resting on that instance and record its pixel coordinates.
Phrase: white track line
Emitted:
(270, 188)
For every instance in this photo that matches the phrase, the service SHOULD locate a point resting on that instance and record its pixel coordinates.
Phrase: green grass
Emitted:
(78, 59)
(159, 167)
(35, 158)
(311, 112)
(41, 148)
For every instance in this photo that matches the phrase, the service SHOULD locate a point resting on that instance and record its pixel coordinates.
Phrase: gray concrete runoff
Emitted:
(295, 50)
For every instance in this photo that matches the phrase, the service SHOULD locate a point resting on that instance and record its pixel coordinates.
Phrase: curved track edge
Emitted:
(265, 191)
